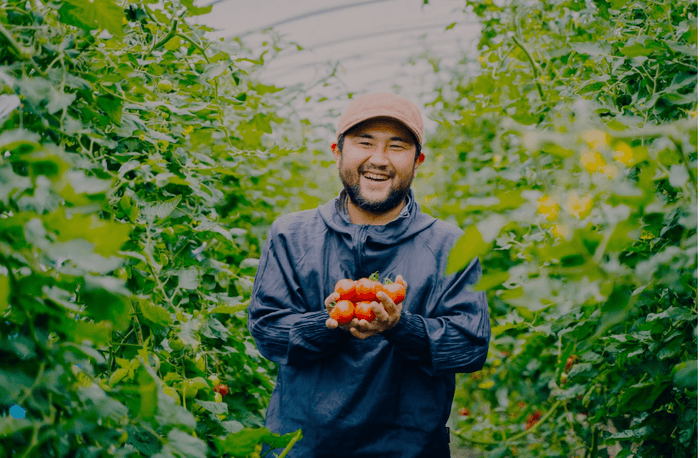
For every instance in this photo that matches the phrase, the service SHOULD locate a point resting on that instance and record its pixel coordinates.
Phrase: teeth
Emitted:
(374, 176)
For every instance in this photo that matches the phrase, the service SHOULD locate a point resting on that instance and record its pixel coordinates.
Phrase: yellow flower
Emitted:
(610, 170)
(188, 130)
(124, 21)
(578, 206)
(646, 235)
(561, 230)
(592, 160)
(548, 207)
(596, 139)
(485, 385)
(497, 159)
(623, 153)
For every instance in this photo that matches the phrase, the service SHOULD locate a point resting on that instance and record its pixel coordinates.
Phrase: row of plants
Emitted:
(138, 174)
(570, 151)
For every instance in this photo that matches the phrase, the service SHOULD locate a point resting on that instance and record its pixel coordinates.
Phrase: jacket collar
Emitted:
(410, 222)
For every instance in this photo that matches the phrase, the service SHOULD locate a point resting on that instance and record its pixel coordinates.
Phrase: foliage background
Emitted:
(142, 163)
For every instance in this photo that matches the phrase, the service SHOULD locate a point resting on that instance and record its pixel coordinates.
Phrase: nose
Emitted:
(379, 156)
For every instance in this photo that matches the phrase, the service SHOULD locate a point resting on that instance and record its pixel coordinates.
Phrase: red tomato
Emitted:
(366, 289)
(363, 311)
(343, 312)
(346, 289)
(395, 291)
(221, 389)
(464, 412)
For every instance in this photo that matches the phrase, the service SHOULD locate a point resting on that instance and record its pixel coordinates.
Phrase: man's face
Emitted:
(377, 164)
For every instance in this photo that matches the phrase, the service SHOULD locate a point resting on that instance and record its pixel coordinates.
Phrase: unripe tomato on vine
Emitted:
(165, 85)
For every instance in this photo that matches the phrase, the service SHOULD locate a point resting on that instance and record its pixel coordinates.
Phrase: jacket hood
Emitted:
(411, 222)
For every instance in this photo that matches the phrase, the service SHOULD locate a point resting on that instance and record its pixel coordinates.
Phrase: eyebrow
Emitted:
(392, 139)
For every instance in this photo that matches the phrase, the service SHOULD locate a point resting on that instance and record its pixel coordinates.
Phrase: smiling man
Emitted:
(382, 388)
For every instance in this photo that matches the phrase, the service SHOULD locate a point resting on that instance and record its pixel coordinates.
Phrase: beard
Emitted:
(397, 194)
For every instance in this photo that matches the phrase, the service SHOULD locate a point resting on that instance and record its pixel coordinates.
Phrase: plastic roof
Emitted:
(371, 41)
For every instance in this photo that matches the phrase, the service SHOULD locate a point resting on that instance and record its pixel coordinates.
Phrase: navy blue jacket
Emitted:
(388, 395)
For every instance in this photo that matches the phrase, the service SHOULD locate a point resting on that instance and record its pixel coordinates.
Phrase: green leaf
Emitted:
(93, 14)
(277, 441)
(186, 445)
(229, 309)
(685, 374)
(117, 376)
(214, 329)
(197, 10)
(188, 278)
(8, 104)
(20, 140)
(595, 48)
(9, 425)
(470, 245)
(635, 50)
(241, 443)
(154, 313)
(95, 333)
(678, 176)
(107, 299)
(148, 394)
(232, 426)
(161, 210)
(173, 414)
(216, 408)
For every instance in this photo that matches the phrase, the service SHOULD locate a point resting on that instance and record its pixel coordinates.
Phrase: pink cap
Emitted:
(382, 104)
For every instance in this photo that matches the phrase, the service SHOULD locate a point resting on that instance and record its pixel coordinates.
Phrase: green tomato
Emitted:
(198, 363)
(218, 397)
(165, 85)
(214, 379)
(172, 392)
(176, 345)
(189, 390)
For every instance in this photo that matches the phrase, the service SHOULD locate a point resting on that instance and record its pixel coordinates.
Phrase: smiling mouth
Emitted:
(375, 176)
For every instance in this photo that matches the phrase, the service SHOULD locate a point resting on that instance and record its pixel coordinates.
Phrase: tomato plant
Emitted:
(131, 213)
(570, 144)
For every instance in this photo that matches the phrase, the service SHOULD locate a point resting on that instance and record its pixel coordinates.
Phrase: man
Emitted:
(383, 388)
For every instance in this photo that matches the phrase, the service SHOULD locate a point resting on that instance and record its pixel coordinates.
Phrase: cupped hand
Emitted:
(386, 315)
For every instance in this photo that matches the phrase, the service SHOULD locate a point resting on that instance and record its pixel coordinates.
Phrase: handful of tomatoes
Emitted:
(356, 297)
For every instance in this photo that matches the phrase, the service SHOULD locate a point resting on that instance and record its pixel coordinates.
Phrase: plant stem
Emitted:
(535, 70)
(290, 445)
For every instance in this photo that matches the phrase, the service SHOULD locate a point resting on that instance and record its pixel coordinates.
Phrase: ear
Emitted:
(419, 161)
(336, 154)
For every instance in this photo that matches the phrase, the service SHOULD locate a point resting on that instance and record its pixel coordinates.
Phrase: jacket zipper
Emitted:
(361, 239)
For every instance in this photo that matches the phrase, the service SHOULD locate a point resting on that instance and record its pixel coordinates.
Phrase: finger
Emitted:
(380, 313)
(386, 301)
(330, 300)
(399, 279)
(331, 323)
(368, 326)
(360, 335)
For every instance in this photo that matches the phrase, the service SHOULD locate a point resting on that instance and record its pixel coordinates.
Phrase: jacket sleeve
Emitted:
(457, 339)
(279, 320)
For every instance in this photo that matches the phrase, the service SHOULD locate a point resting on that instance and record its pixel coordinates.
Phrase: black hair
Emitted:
(341, 140)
